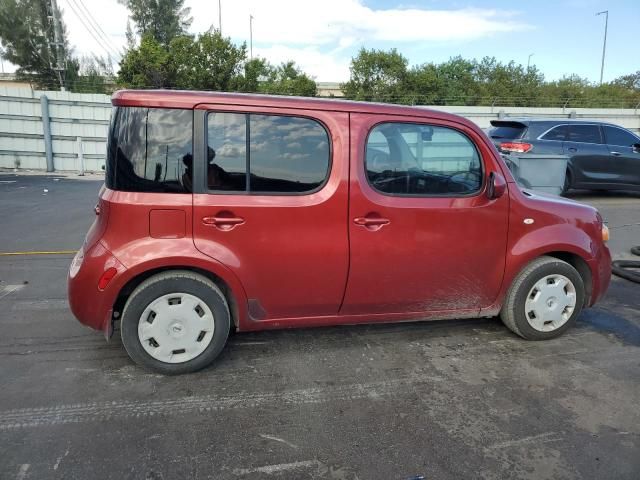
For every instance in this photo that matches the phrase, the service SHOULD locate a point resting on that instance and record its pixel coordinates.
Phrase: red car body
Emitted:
(323, 258)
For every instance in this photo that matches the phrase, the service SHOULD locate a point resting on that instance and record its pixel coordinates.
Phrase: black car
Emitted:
(601, 155)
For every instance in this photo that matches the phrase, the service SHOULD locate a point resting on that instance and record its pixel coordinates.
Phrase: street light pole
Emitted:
(251, 37)
(529, 60)
(604, 44)
(220, 16)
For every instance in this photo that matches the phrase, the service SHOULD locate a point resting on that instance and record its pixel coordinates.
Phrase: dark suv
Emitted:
(601, 155)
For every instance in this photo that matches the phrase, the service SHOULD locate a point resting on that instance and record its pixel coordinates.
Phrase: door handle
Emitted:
(572, 149)
(616, 154)
(223, 222)
(371, 223)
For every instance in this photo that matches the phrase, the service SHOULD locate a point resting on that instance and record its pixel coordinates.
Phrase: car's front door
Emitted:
(272, 205)
(624, 149)
(424, 235)
(589, 156)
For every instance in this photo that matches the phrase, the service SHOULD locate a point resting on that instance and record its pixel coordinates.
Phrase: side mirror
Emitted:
(496, 186)
(636, 147)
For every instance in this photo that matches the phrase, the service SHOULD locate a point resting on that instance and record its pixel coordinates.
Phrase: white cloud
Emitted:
(321, 37)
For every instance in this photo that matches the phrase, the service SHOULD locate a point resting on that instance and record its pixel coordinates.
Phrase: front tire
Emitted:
(544, 300)
(175, 322)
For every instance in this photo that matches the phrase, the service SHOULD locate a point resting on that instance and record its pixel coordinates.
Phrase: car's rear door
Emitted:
(281, 228)
(589, 156)
(624, 157)
(424, 236)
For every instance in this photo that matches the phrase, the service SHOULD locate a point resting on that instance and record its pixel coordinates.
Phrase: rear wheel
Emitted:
(544, 300)
(175, 322)
(567, 182)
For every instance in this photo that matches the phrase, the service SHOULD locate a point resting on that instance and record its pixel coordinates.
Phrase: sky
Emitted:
(564, 36)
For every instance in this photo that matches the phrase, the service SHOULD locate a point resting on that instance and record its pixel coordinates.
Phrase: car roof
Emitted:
(551, 120)
(190, 99)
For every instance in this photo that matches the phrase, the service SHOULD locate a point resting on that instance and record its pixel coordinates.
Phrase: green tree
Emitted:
(210, 62)
(146, 66)
(90, 75)
(164, 20)
(377, 75)
(287, 79)
(27, 37)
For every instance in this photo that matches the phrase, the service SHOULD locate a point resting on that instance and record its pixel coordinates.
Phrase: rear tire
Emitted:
(175, 322)
(544, 300)
(568, 181)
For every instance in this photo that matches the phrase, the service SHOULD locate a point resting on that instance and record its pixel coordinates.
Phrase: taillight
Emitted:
(106, 277)
(515, 147)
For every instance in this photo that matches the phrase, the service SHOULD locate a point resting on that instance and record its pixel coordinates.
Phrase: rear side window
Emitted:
(266, 153)
(558, 133)
(508, 130)
(584, 134)
(421, 160)
(149, 150)
(619, 137)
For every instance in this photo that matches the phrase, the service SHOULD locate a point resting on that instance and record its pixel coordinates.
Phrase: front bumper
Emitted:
(90, 305)
(600, 274)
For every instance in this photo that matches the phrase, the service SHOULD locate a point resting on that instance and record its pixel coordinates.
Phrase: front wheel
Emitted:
(175, 322)
(544, 300)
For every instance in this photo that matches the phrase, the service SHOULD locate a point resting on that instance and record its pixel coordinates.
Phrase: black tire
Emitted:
(513, 313)
(164, 283)
(567, 182)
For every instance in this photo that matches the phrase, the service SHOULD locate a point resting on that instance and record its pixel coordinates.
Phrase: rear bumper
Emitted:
(90, 305)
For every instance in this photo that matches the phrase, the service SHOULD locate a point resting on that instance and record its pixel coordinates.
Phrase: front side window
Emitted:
(557, 133)
(150, 150)
(584, 134)
(266, 153)
(412, 159)
(619, 137)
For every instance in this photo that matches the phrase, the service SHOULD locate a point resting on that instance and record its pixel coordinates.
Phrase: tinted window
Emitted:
(227, 151)
(584, 134)
(619, 137)
(285, 155)
(557, 133)
(509, 130)
(410, 159)
(149, 150)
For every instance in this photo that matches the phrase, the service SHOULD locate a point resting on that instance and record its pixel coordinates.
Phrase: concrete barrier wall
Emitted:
(73, 115)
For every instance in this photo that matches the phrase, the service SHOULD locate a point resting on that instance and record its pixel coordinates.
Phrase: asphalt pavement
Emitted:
(445, 400)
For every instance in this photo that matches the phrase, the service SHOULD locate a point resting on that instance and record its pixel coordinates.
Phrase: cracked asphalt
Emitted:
(442, 400)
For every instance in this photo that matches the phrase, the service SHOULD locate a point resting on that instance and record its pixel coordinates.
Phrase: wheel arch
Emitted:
(580, 264)
(232, 294)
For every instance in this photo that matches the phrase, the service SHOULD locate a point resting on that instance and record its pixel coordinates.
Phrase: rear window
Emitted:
(149, 149)
(509, 130)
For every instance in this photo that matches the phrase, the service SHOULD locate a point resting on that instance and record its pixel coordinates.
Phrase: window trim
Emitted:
(247, 190)
(419, 195)
(624, 130)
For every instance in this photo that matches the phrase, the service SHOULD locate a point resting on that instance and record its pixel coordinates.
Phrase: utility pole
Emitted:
(57, 43)
(529, 60)
(220, 16)
(604, 45)
(251, 37)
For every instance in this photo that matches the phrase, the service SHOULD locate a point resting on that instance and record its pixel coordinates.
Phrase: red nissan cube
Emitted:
(256, 212)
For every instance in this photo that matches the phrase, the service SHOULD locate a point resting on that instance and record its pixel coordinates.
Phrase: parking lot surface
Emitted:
(445, 400)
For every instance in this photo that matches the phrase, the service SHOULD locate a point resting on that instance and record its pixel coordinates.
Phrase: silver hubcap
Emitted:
(176, 327)
(550, 303)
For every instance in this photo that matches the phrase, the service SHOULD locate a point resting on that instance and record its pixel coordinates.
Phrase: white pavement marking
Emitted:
(8, 181)
(7, 289)
(281, 467)
(102, 411)
(22, 472)
(542, 438)
(277, 439)
(55, 467)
